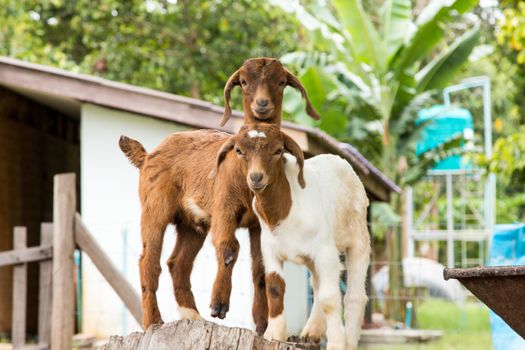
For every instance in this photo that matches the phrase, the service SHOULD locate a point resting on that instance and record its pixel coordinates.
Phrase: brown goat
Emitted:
(176, 187)
(262, 81)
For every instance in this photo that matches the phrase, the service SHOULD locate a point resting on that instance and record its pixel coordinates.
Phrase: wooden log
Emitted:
(122, 287)
(44, 296)
(34, 347)
(198, 335)
(18, 328)
(63, 294)
(25, 255)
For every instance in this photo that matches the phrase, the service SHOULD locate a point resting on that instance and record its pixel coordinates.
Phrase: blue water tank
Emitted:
(507, 248)
(443, 124)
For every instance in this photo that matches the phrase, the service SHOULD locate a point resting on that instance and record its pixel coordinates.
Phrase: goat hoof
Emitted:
(261, 328)
(219, 310)
(293, 339)
(309, 340)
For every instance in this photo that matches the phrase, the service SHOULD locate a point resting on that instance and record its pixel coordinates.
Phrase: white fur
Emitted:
(256, 133)
(188, 314)
(276, 329)
(194, 208)
(328, 216)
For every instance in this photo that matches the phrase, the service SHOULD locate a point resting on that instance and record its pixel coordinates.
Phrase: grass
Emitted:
(465, 326)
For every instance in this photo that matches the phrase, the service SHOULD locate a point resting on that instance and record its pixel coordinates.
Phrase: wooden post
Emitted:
(44, 297)
(63, 310)
(18, 329)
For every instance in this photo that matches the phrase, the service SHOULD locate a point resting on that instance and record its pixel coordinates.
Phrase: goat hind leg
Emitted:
(357, 261)
(260, 302)
(327, 266)
(152, 231)
(180, 265)
(315, 327)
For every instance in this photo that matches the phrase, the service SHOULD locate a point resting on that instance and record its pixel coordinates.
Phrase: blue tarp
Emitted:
(443, 123)
(507, 248)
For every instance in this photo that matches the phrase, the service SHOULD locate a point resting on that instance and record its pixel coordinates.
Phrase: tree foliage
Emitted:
(185, 47)
(367, 76)
(512, 29)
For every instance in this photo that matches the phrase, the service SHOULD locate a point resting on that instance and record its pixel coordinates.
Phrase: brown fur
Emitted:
(133, 150)
(175, 178)
(169, 180)
(265, 156)
(263, 79)
(275, 287)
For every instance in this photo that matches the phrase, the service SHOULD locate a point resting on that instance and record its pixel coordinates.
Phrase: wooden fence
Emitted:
(59, 239)
(57, 291)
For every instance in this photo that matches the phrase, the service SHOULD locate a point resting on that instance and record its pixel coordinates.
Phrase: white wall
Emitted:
(111, 210)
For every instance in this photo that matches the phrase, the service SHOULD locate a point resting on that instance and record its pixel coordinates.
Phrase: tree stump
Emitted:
(198, 335)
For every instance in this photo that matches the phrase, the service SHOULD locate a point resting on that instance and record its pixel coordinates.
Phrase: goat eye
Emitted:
(278, 152)
(244, 82)
(239, 152)
(281, 83)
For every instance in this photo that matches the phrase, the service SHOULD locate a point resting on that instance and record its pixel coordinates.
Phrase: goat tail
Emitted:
(133, 150)
(357, 261)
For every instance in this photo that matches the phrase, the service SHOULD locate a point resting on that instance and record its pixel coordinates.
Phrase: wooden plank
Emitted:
(25, 255)
(18, 326)
(398, 336)
(63, 311)
(122, 287)
(44, 297)
(34, 347)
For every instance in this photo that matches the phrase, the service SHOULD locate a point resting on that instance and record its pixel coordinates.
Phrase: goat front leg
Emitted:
(260, 303)
(275, 288)
(328, 267)
(180, 264)
(227, 249)
(152, 231)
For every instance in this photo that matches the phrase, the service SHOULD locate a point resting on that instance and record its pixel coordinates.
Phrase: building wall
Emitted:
(35, 143)
(111, 210)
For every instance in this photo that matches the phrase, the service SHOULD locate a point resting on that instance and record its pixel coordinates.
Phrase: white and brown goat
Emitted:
(309, 213)
(175, 188)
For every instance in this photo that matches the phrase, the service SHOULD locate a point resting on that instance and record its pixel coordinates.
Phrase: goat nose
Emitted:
(256, 177)
(262, 102)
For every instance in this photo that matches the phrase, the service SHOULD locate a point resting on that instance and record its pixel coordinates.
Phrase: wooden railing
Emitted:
(55, 254)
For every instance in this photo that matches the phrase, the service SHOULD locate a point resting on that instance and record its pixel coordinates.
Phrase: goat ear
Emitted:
(293, 148)
(230, 84)
(223, 151)
(293, 81)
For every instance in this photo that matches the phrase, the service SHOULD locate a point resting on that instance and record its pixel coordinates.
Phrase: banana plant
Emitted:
(366, 78)
(354, 69)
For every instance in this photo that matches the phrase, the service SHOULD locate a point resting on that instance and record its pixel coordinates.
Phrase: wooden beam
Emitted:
(25, 255)
(122, 287)
(63, 310)
(34, 347)
(18, 327)
(44, 296)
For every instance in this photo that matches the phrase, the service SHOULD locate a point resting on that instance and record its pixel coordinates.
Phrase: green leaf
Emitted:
(396, 19)
(440, 71)
(364, 38)
(431, 29)
(318, 84)
(333, 121)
